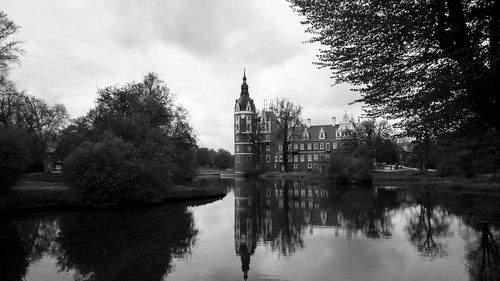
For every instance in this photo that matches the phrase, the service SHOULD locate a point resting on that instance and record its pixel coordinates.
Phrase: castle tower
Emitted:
(245, 128)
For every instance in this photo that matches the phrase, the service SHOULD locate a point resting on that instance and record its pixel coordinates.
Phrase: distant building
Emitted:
(256, 147)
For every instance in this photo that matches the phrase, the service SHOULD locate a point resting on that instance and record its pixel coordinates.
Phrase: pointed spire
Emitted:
(244, 86)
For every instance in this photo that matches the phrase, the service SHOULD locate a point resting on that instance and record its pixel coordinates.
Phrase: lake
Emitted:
(264, 230)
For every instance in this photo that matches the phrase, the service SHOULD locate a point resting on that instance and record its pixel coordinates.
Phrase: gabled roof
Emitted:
(330, 131)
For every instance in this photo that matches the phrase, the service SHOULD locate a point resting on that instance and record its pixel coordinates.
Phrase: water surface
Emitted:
(264, 230)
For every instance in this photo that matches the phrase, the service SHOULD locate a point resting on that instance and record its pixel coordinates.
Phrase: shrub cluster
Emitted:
(111, 172)
(350, 169)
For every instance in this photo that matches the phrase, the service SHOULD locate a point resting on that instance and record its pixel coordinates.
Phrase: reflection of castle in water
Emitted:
(277, 213)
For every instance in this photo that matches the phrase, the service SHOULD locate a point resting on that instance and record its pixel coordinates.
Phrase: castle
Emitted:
(256, 147)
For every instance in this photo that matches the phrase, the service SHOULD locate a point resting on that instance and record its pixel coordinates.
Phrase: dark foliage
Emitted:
(437, 61)
(111, 172)
(350, 169)
(14, 156)
(220, 159)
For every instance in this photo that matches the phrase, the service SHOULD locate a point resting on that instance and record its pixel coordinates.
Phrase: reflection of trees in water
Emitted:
(24, 241)
(482, 253)
(367, 211)
(125, 245)
(288, 238)
(428, 226)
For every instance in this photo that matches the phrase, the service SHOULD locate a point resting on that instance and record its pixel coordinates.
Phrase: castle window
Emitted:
(322, 134)
(280, 147)
(268, 147)
(309, 146)
(301, 146)
(334, 145)
(295, 158)
(322, 146)
(327, 146)
(237, 148)
(249, 148)
(249, 108)
(315, 146)
(309, 157)
(237, 159)
(327, 156)
(309, 166)
(302, 158)
(237, 137)
(268, 158)
(295, 166)
(268, 138)
(296, 146)
(237, 128)
(316, 157)
(305, 135)
(280, 158)
(249, 158)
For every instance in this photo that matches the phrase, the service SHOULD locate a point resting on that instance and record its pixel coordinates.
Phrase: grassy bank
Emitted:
(48, 191)
(431, 181)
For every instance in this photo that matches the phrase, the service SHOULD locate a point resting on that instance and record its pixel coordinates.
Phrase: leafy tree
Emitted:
(373, 140)
(150, 140)
(10, 49)
(437, 60)
(288, 123)
(223, 159)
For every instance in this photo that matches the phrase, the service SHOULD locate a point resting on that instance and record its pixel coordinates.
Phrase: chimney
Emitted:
(334, 121)
(308, 122)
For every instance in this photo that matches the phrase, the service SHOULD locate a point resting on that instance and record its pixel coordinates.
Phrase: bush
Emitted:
(348, 169)
(14, 156)
(111, 172)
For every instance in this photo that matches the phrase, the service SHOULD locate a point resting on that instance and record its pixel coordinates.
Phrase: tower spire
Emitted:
(244, 86)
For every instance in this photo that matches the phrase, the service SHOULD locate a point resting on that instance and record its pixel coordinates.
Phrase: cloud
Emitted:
(199, 48)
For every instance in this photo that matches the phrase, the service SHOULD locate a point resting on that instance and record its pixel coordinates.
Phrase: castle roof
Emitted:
(330, 131)
(244, 102)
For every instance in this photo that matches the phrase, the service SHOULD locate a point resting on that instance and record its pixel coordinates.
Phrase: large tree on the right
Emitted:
(436, 61)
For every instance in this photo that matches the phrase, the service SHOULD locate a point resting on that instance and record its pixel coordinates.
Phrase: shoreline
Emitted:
(43, 195)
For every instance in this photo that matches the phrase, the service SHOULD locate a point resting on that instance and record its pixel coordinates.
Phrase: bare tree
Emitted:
(10, 105)
(288, 122)
(44, 121)
(9, 49)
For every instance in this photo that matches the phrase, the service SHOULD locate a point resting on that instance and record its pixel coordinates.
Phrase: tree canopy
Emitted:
(437, 61)
(131, 146)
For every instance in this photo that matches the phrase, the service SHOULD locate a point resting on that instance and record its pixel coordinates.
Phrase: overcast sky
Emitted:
(198, 47)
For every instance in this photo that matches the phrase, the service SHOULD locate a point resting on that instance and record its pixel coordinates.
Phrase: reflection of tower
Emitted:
(245, 126)
(245, 222)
